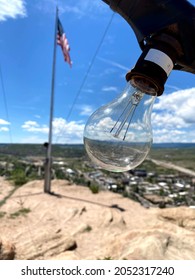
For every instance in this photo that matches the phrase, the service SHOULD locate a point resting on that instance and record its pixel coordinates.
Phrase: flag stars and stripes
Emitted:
(63, 42)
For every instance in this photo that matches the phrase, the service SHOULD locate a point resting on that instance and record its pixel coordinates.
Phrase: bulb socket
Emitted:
(153, 68)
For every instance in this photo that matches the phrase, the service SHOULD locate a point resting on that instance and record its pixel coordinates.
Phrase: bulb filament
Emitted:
(127, 115)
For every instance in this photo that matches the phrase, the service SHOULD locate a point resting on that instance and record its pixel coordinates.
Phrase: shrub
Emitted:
(2, 214)
(18, 177)
(22, 211)
(94, 188)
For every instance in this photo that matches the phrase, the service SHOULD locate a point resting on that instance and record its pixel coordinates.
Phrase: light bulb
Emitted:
(118, 136)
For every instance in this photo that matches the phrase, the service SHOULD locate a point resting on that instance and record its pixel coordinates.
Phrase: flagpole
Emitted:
(48, 160)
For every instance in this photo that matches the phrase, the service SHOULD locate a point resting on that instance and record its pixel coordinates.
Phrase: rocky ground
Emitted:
(75, 224)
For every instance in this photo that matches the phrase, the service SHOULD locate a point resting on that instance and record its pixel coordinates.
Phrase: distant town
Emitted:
(163, 180)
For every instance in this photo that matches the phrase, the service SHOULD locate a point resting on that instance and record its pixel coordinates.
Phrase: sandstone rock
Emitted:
(68, 255)
(81, 228)
(154, 244)
(76, 224)
(182, 216)
(49, 247)
(7, 250)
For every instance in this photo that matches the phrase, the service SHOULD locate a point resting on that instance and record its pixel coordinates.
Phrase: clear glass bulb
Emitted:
(118, 136)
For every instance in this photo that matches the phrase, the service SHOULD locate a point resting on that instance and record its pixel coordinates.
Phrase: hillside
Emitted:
(77, 224)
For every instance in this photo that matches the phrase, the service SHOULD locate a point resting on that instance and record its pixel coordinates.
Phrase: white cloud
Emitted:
(32, 126)
(67, 132)
(86, 110)
(84, 7)
(12, 9)
(4, 129)
(173, 119)
(63, 131)
(88, 90)
(180, 104)
(110, 88)
(168, 120)
(113, 63)
(3, 125)
(173, 135)
(167, 86)
(3, 122)
(79, 8)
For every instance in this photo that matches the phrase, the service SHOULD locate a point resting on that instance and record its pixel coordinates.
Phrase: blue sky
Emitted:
(26, 50)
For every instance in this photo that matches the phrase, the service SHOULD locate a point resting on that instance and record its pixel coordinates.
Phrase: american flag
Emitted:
(63, 42)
